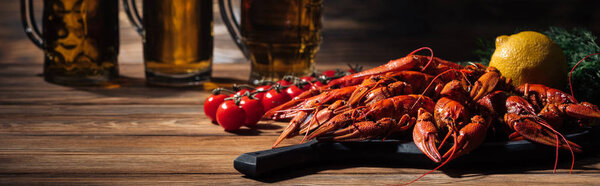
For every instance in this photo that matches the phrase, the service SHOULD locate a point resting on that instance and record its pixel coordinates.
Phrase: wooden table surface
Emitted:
(134, 134)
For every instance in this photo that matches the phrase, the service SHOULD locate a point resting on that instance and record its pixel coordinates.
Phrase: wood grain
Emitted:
(316, 179)
(154, 124)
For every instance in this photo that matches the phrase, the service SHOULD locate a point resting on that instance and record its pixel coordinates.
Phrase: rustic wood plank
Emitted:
(110, 120)
(130, 96)
(151, 124)
(116, 163)
(117, 120)
(300, 179)
(142, 145)
(70, 163)
(92, 110)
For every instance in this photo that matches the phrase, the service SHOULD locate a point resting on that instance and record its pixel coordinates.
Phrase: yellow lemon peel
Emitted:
(530, 57)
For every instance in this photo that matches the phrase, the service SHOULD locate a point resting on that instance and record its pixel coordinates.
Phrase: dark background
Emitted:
(373, 31)
(451, 28)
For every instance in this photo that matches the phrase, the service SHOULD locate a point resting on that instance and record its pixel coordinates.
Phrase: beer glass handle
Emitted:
(134, 15)
(29, 24)
(232, 25)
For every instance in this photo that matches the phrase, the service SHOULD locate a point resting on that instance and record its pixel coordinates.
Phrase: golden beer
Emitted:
(178, 41)
(281, 36)
(80, 39)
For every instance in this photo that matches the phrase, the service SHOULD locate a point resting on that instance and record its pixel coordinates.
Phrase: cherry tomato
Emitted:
(293, 91)
(283, 82)
(211, 104)
(242, 92)
(307, 78)
(274, 98)
(352, 71)
(329, 73)
(254, 110)
(315, 86)
(308, 85)
(260, 95)
(230, 116)
(318, 84)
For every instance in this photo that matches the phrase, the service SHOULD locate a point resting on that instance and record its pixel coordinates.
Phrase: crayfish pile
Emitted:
(447, 108)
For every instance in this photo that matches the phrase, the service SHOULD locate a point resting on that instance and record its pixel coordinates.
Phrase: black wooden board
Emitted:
(267, 162)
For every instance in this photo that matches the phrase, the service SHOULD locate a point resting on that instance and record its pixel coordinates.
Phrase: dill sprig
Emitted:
(577, 44)
(485, 51)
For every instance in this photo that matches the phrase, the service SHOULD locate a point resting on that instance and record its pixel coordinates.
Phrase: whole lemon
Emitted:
(530, 57)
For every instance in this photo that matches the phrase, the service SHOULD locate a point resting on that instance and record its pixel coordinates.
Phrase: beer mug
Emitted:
(279, 37)
(177, 40)
(80, 39)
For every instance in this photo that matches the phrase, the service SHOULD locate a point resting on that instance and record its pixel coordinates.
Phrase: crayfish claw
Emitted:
(292, 128)
(286, 133)
(469, 137)
(350, 133)
(487, 83)
(366, 130)
(425, 135)
(582, 111)
(537, 131)
(333, 124)
(322, 116)
(282, 111)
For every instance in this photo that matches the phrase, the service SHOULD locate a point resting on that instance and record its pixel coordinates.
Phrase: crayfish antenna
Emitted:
(430, 58)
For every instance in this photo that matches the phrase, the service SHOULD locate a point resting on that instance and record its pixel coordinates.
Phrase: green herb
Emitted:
(576, 44)
(486, 50)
